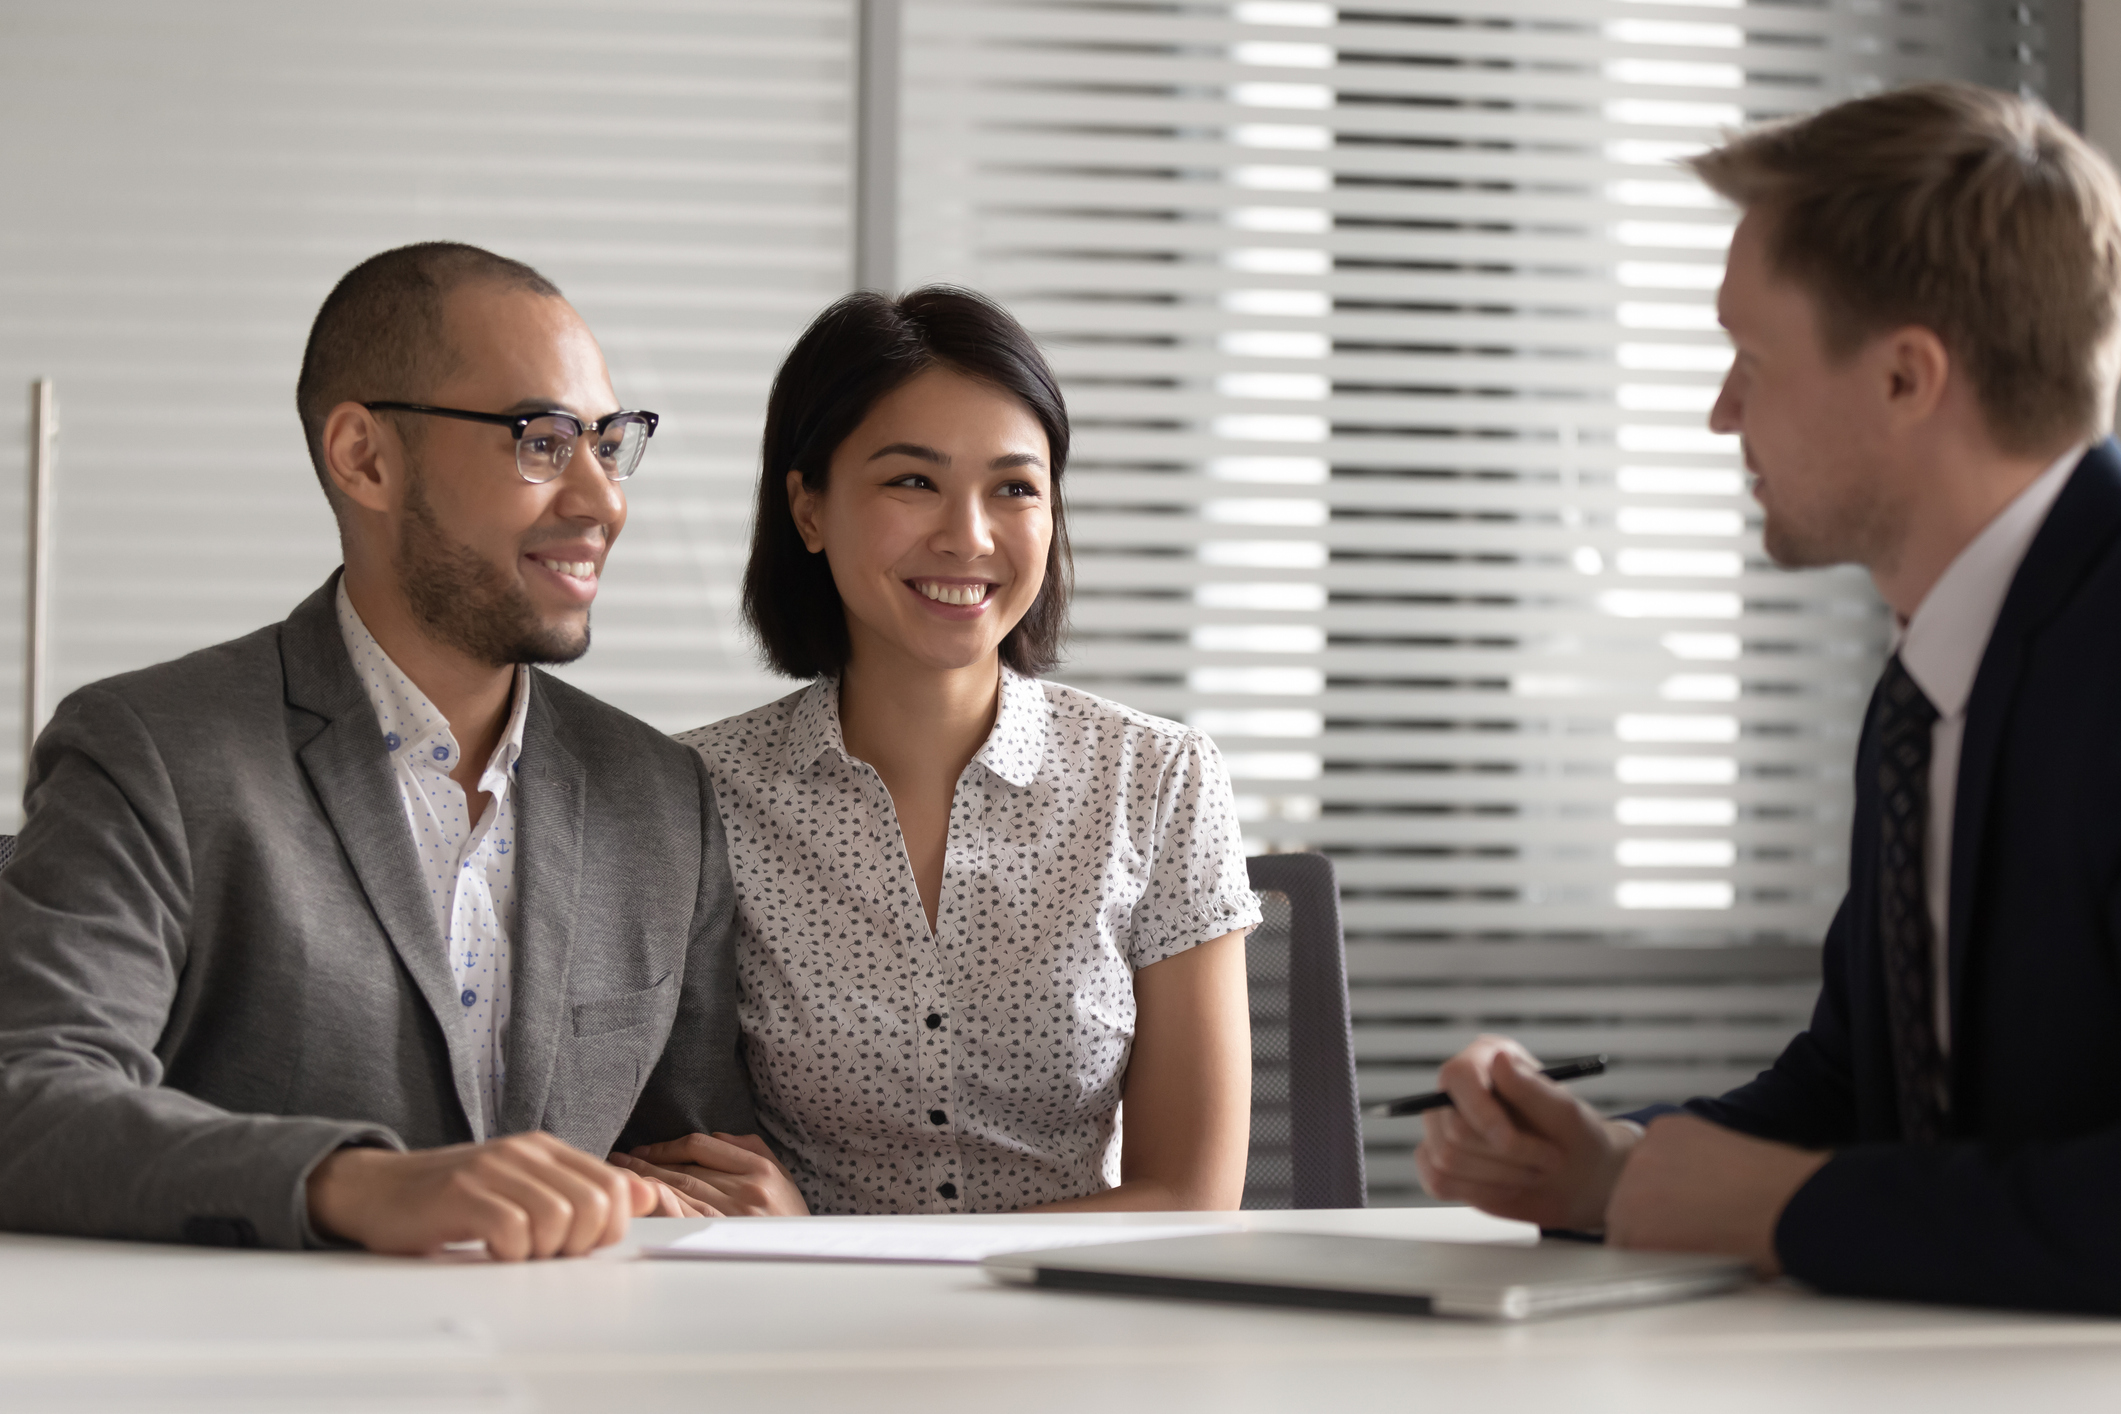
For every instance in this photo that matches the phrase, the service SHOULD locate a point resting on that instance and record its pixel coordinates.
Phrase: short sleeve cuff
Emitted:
(1213, 918)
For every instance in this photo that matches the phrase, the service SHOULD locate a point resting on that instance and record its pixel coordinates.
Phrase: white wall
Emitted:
(187, 182)
(2102, 74)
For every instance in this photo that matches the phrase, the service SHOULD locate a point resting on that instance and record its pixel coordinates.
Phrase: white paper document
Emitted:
(965, 1241)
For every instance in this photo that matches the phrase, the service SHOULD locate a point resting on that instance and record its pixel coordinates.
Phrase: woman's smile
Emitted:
(955, 598)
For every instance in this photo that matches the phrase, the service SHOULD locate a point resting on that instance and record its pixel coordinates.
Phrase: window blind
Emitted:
(191, 180)
(1388, 330)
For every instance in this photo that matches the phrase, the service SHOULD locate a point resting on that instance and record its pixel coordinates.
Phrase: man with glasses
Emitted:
(359, 929)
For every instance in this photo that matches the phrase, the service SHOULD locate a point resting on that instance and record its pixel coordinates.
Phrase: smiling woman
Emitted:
(976, 910)
(861, 351)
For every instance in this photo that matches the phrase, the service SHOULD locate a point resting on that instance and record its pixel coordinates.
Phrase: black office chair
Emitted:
(7, 849)
(1306, 1133)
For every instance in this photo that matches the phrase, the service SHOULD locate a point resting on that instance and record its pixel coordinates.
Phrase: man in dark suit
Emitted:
(1922, 298)
(359, 929)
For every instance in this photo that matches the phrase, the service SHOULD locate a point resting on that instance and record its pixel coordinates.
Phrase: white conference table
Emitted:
(87, 1327)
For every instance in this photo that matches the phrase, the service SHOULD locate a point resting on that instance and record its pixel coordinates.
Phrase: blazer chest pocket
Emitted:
(602, 1068)
(607, 1014)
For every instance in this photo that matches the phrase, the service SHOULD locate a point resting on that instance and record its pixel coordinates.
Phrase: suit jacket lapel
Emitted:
(350, 771)
(2085, 519)
(550, 804)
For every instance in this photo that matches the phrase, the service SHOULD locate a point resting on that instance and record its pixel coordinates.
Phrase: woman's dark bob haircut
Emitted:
(863, 347)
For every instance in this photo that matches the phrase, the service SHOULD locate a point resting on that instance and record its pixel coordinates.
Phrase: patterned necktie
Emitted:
(1904, 720)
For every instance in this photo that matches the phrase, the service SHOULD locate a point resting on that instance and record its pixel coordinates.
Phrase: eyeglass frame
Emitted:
(518, 423)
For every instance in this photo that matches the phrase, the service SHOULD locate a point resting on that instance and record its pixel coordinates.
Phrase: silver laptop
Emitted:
(1488, 1281)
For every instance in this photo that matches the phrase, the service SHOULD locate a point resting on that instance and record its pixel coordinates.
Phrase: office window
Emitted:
(1388, 329)
(189, 182)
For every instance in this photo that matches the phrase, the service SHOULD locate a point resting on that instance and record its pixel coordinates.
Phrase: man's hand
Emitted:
(1692, 1186)
(1516, 1144)
(528, 1195)
(724, 1175)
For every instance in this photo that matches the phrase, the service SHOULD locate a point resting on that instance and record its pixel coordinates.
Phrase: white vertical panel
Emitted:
(1388, 328)
(187, 181)
(2101, 56)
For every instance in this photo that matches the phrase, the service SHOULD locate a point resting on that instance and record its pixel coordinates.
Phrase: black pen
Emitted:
(1575, 1069)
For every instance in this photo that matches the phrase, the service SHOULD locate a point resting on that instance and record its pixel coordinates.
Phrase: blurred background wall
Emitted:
(2101, 21)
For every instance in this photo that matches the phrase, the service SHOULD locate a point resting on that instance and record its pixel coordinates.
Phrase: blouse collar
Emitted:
(1013, 750)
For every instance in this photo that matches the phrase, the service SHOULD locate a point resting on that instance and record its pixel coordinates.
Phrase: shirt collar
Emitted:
(1013, 749)
(1018, 742)
(1942, 645)
(414, 729)
(816, 727)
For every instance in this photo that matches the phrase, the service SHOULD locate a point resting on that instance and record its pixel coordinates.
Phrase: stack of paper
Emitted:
(960, 1240)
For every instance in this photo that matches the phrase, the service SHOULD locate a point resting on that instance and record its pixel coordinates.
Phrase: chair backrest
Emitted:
(7, 849)
(1306, 1132)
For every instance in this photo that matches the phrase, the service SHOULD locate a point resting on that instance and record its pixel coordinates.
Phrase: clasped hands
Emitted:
(533, 1195)
(1517, 1145)
(717, 1176)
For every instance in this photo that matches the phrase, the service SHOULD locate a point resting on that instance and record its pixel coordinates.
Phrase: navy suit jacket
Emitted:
(2021, 1206)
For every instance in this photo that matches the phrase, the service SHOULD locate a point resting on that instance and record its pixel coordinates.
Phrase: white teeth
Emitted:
(952, 593)
(579, 569)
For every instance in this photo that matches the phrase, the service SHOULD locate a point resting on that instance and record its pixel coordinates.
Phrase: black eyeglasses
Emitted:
(545, 441)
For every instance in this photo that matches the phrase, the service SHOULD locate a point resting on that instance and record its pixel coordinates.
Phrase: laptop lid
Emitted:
(1491, 1281)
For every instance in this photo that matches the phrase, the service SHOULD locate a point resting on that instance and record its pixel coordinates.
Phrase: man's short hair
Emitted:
(1973, 213)
(379, 334)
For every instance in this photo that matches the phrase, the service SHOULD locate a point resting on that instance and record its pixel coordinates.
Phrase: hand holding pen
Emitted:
(1575, 1069)
(1515, 1143)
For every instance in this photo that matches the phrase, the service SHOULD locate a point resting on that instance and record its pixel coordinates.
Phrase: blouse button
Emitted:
(934, 1021)
(938, 1117)
(948, 1190)
(469, 997)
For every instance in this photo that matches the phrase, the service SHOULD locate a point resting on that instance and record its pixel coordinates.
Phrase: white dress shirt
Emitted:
(470, 868)
(976, 1067)
(1941, 647)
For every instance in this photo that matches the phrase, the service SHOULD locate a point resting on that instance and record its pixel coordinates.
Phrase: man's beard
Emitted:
(468, 603)
(1857, 527)
(1793, 548)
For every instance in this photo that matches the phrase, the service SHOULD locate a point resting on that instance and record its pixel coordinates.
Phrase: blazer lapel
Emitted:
(550, 802)
(351, 774)
(2080, 527)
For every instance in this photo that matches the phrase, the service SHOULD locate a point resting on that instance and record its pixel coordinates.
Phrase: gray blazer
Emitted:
(218, 962)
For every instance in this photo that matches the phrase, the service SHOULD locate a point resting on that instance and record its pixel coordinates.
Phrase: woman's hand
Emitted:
(719, 1175)
(669, 1203)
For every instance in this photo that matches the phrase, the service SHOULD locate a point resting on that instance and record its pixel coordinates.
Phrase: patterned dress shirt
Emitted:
(469, 867)
(977, 1067)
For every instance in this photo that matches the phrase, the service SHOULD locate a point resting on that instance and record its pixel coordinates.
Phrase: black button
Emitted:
(948, 1190)
(934, 1021)
(938, 1117)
